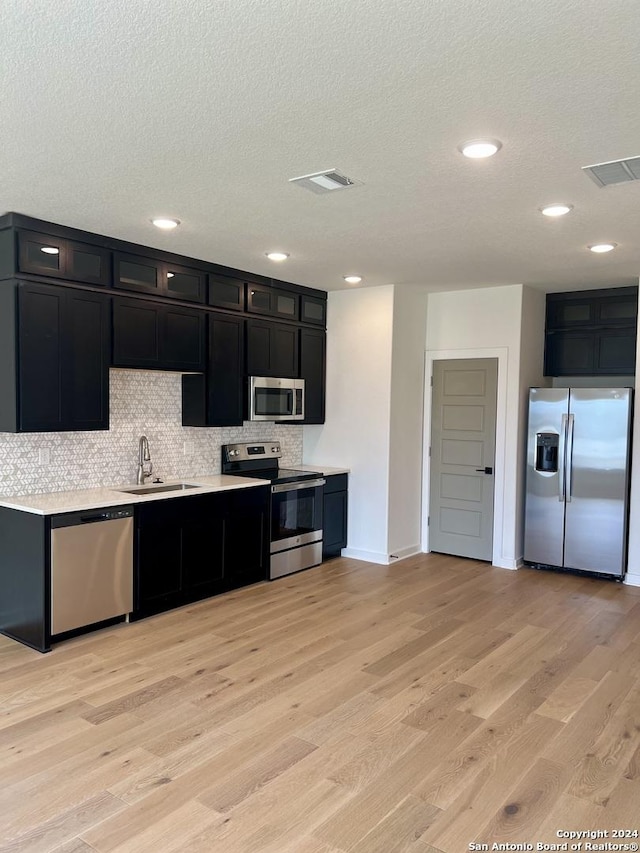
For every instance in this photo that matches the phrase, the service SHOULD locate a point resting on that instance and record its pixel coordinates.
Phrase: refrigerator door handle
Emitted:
(562, 461)
(569, 458)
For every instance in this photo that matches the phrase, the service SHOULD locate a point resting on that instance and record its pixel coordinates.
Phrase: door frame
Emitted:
(501, 354)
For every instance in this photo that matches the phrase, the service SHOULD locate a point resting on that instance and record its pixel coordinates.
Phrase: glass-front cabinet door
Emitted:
(183, 283)
(42, 254)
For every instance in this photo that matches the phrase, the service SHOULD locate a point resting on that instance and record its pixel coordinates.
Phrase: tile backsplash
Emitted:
(141, 402)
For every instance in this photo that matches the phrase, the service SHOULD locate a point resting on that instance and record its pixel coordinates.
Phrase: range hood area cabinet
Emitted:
(591, 333)
(54, 358)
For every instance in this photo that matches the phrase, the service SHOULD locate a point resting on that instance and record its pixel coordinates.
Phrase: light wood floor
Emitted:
(424, 706)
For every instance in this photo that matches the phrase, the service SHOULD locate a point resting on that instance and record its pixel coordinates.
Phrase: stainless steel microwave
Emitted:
(276, 399)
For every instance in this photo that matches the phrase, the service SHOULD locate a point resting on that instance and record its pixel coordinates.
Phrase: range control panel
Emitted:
(251, 450)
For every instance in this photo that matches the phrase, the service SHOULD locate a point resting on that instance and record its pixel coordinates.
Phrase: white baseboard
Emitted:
(632, 579)
(367, 556)
(504, 563)
(403, 553)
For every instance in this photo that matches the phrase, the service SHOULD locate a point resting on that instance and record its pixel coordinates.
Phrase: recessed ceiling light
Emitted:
(601, 248)
(277, 256)
(477, 149)
(352, 279)
(165, 224)
(556, 209)
(50, 250)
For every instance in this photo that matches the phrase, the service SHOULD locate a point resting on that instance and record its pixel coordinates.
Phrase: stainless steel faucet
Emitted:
(145, 465)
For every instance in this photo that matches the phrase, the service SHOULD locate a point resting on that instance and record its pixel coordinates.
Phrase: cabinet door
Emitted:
(570, 354)
(246, 530)
(136, 333)
(262, 299)
(272, 349)
(41, 254)
(182, 339)
(226, 292)
(312, 370)
(158, 581)
(217, 398)
(225, 376)
(86, 361)
(40, 348)
(334, 524)
(183, 283)
(313, 310)
(133, 272)
(87, 263)
(63, 339)
(616, 352)
(202, 539)
(564, 311)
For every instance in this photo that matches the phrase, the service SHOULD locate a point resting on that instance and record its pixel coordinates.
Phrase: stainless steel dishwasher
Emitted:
(91, 567)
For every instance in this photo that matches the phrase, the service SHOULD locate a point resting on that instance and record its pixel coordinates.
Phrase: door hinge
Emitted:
(431, 380)
(429, 451)
(428, 520)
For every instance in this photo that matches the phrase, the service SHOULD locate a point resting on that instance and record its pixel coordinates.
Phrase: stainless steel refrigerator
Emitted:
(577, 500)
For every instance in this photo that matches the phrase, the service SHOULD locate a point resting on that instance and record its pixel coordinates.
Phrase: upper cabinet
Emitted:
(591, 333)
(313, 310)
(40, 254)
(135, 272)
(156, 336)
(272, 302)
(226, 292)
(54, 373)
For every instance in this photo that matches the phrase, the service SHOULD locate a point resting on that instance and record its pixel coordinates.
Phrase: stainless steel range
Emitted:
(296, 504)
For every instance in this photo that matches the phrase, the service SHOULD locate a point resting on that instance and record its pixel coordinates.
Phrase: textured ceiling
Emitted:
(113, 112)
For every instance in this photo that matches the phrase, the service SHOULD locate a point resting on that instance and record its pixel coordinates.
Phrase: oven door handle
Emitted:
(294, 487)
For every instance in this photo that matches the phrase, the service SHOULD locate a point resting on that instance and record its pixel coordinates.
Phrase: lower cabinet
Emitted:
(334, 525)
(189, 548)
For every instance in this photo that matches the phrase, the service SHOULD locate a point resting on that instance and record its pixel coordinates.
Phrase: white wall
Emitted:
(487, 323)
(407, 390)
(357, 429)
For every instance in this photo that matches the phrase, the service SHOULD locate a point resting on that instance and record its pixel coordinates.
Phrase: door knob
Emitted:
(485, 470)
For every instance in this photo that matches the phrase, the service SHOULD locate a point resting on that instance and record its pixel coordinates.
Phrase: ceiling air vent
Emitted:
(614, 172)
(325, 182)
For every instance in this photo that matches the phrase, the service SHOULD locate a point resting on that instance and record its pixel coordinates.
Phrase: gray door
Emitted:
(463, 438)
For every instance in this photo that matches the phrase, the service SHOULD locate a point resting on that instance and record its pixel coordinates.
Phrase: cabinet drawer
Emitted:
(336, 483)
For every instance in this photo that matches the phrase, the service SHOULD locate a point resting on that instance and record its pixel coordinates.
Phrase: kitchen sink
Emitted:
(151, 490)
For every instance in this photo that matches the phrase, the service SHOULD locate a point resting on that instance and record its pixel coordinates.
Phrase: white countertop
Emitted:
(52, 503)
(325, 470)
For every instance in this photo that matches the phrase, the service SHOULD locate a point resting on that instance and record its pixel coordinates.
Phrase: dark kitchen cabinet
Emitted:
(157, 336)
(313, 310)
(136, 272)
(312, 370)
(226, 292)
(190, 548)
(216, 398)
(44, 255)
(335, 506)
(272, 301)
(272, 349)
(591, 333)
(54, 364)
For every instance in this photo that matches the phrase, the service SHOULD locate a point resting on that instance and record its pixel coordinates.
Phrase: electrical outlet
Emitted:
(187, 448)
(44, 455)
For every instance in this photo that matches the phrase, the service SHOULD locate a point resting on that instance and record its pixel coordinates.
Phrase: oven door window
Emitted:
(273, 401)
(294, 513)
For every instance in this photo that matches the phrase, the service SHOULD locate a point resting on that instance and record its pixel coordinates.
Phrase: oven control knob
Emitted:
(275, 449)
(233, 453)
